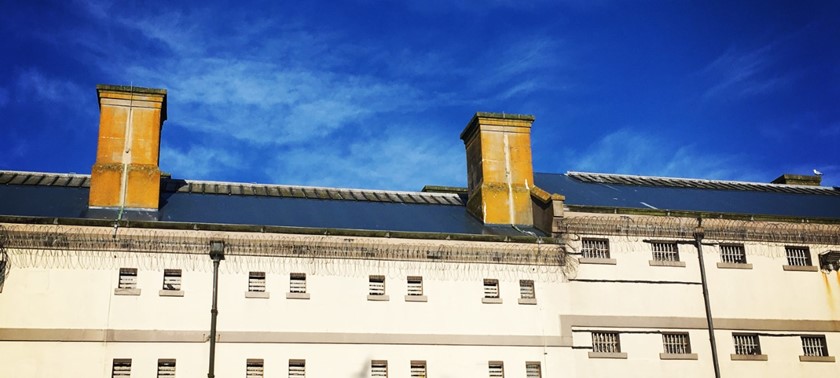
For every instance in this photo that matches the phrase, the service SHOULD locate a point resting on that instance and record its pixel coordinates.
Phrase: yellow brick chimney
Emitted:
(126, 174)
(499, 170)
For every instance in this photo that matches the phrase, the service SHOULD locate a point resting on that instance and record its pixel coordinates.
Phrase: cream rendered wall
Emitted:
(51, 294)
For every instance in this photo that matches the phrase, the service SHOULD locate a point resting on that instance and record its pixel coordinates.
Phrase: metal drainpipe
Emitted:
(217, 254)
(698, 242)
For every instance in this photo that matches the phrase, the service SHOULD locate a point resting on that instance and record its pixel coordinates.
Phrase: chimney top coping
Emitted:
(510, 118)
(524, 117)
(130, 89)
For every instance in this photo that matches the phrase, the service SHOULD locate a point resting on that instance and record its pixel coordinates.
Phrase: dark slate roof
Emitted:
(66, 196)
(709, 196)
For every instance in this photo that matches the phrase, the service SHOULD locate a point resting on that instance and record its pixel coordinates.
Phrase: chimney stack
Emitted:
(791, 179)
(499, 170)
(126, 175)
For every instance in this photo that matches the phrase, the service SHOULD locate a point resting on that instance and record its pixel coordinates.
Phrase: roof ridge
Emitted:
(377, 191)
(698, 183)
(5, 171)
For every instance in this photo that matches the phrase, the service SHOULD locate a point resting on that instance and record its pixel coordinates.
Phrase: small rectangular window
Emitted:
(376, 285)
(121, 368)
(533, 369)
(595, 248)
(526, 289)
(415, 285)
(418, 369)
(128, 278)
(166, 368)
(172, 279)
(606, 342)
(491, 288)
(676, 343)
(297, 368)
(746, 344)
(798, 256)
(814, 346)
(297, 283)
(496, 369)
(733, 254)
(254, 368)
(378, 369)
(665, 251)
(256, 282)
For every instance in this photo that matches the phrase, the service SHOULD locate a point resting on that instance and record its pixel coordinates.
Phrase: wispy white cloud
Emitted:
(629, 152)
(739, 72)
(34, 84)
(392, 160)
(198, 162)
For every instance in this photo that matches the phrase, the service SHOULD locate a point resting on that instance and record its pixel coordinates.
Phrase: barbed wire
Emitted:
(715, 229)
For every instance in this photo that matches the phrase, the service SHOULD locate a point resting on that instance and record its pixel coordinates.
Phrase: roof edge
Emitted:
(524, 239)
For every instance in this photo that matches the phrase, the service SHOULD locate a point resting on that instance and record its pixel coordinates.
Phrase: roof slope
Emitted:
(710, 196)
(66, 196)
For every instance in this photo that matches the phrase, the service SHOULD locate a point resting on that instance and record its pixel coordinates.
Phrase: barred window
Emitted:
(533, 369)
(297, 282)
(297, 368)
(496, 369)
(121, 368)
(746, 344)
(526, 289)
(596, 248)
(377, 285)
(172, 279)
(676, 343)
(665, 251)
(798, 256)
(415, 285)
(166, 368)
(256, 282)
(605, 342)
(378, 369)
(733, 254)
(254, 368)
(418, 369)
(128, 278)
(814, 346)
(491, 288)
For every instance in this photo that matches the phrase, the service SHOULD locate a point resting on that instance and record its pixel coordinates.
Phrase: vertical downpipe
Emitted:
(698, 242)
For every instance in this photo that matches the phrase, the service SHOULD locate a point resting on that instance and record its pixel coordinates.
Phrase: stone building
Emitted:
(519, 275)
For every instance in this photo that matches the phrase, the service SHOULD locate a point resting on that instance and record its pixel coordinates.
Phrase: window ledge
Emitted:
(416, 298)
(119, 291)
(816, 358)
(594, 260)
(748, 357)
(527, 301)
(671, 356)
(256, 294)
(723, 265)
(297, 295)
(679, 264)
(380, 298)
(171, 293)
(491, 300)
(620, 356)
(799, 268)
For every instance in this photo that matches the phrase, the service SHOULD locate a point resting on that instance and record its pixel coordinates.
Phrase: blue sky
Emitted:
(373, 94)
